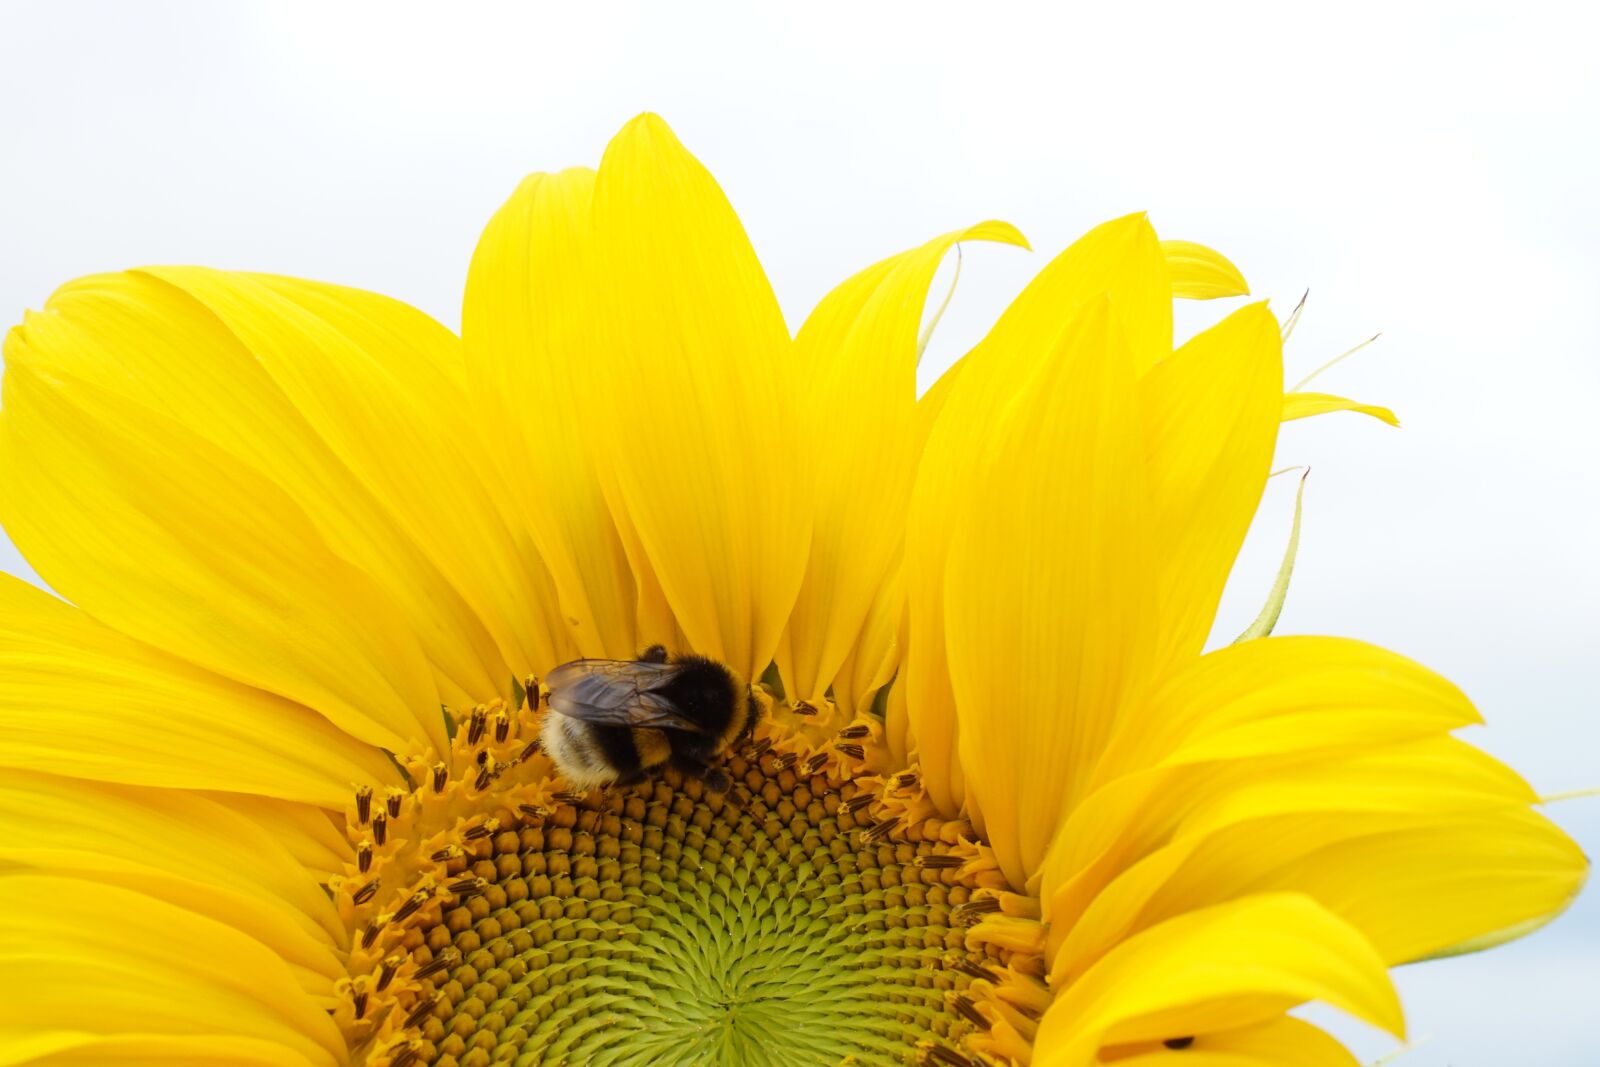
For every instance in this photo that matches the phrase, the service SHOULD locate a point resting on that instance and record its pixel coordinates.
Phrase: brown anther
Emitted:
(373, 929)
(393, 803)
(784, 761)
(804, 707)
(467, 887)
(973, 911)
(529, 751)
(759, 749)
(481, 782)
(477, 724)
(365, 893)
(422, 1011)
(905, 780)
(880, 829)
(380, 827)
(815, 763)
(359, 999)
(568, 796)
(445, 959)
(973, 970)
(852, 750)
(363, 804)
(411, 1053)
(502, 727)
(857, 802)
(441, 776)
(855, 732)
(1178, 1042)
(387, 970)
(413, 902)
(940, 1054)
(968, 1011)
(364, 856)
(530, 690)
(488, 828)
(446, 854)
(532, 812)
(938, 863)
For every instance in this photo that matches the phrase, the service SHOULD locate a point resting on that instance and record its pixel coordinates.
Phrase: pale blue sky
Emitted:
(1429, 174)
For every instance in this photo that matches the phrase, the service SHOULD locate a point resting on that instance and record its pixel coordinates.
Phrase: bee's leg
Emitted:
(693, 766)
(654, 654)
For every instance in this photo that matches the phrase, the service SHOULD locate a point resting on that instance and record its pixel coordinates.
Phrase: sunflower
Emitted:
(274, 794)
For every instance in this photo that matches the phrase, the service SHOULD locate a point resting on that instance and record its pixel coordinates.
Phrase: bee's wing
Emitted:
(614, 692)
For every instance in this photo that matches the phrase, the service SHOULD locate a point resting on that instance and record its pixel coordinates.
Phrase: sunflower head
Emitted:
(277, 791)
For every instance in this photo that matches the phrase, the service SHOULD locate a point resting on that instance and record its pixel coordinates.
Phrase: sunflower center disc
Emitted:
(665, 924)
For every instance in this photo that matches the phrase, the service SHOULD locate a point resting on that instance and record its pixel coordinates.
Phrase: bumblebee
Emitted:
(613, 721)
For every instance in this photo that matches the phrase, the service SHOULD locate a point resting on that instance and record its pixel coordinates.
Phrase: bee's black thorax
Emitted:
(707, 692)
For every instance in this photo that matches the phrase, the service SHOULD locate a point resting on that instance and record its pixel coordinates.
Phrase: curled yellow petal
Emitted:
(1267, 618)
(1201, 273)
(1298, 405)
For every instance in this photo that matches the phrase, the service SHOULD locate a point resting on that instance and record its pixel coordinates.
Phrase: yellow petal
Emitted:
(897, 727)
(529, 331)
(1256, 824)
(875, 658)
(1218, 969)
(145, 967)
(1201, 273)
(156, 531)
(133, 342)
(83, 700)
(1272, 699)
(858, 351)
(306, 832)
(381, 385)
(697, 418)
(1121, 258)
(1304, 405)
(1461, 886)
(1050, 588)
(1279, 694)
(74, 1048)
(180, 847)
(1284, 1042)
(1211, 415)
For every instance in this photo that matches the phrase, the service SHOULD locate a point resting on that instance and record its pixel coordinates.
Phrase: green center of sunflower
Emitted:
(789, 921)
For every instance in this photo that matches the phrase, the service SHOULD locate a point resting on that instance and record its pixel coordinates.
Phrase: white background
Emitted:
(1428, 173)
